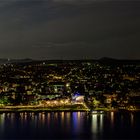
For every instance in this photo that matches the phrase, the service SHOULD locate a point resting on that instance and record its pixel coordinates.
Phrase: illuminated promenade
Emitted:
(52, 106)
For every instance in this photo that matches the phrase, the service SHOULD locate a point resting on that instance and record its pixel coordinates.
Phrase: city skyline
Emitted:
(69, 29)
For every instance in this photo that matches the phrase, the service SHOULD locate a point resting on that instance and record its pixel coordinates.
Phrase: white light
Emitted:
(94, 123)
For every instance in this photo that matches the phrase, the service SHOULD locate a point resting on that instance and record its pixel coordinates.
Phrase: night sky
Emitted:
(70, 29)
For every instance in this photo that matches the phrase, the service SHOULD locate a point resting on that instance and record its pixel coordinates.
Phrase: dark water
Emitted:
(70, 125)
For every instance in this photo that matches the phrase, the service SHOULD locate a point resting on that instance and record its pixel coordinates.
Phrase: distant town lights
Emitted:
(67, 84)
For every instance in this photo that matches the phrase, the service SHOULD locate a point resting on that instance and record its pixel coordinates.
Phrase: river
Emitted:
(70, 125)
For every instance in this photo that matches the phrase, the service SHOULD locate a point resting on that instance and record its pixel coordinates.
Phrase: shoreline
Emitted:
(55, 109)
(43, 110)
(70, 108)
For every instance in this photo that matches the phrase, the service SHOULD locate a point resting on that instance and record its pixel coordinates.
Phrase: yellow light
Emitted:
(55, 102)
(67, 84)
(62, 101)
(66, 101)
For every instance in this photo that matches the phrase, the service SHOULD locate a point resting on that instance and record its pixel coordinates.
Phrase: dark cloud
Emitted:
(69, 29)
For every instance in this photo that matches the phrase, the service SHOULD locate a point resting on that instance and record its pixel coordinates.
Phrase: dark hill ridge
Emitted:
(104, 60)
(107, 60)
(6, 60)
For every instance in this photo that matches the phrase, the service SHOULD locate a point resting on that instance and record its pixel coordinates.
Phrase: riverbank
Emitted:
(37, 108)
(73, 108)
(42, 110)
(116, 109)
(106, 109)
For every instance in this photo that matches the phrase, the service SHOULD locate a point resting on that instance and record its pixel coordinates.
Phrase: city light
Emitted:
(94, 86)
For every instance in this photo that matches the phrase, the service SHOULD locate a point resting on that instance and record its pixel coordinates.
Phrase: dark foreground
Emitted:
(70, 125)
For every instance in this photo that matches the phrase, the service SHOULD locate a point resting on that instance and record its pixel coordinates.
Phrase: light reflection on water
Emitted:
(2, 122)
(132, 119)
(97, 124)
(101, 122)
(112, 119)
(77, 121)
(94, 123)
(62, 124)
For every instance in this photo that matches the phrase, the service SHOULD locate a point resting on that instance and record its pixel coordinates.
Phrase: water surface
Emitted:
(69, 125)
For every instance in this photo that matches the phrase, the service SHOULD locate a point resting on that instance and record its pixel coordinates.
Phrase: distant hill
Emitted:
(104, 60)
(107, 60)
(7, 61)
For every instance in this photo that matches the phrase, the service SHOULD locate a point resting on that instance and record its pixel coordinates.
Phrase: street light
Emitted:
(67, 84)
